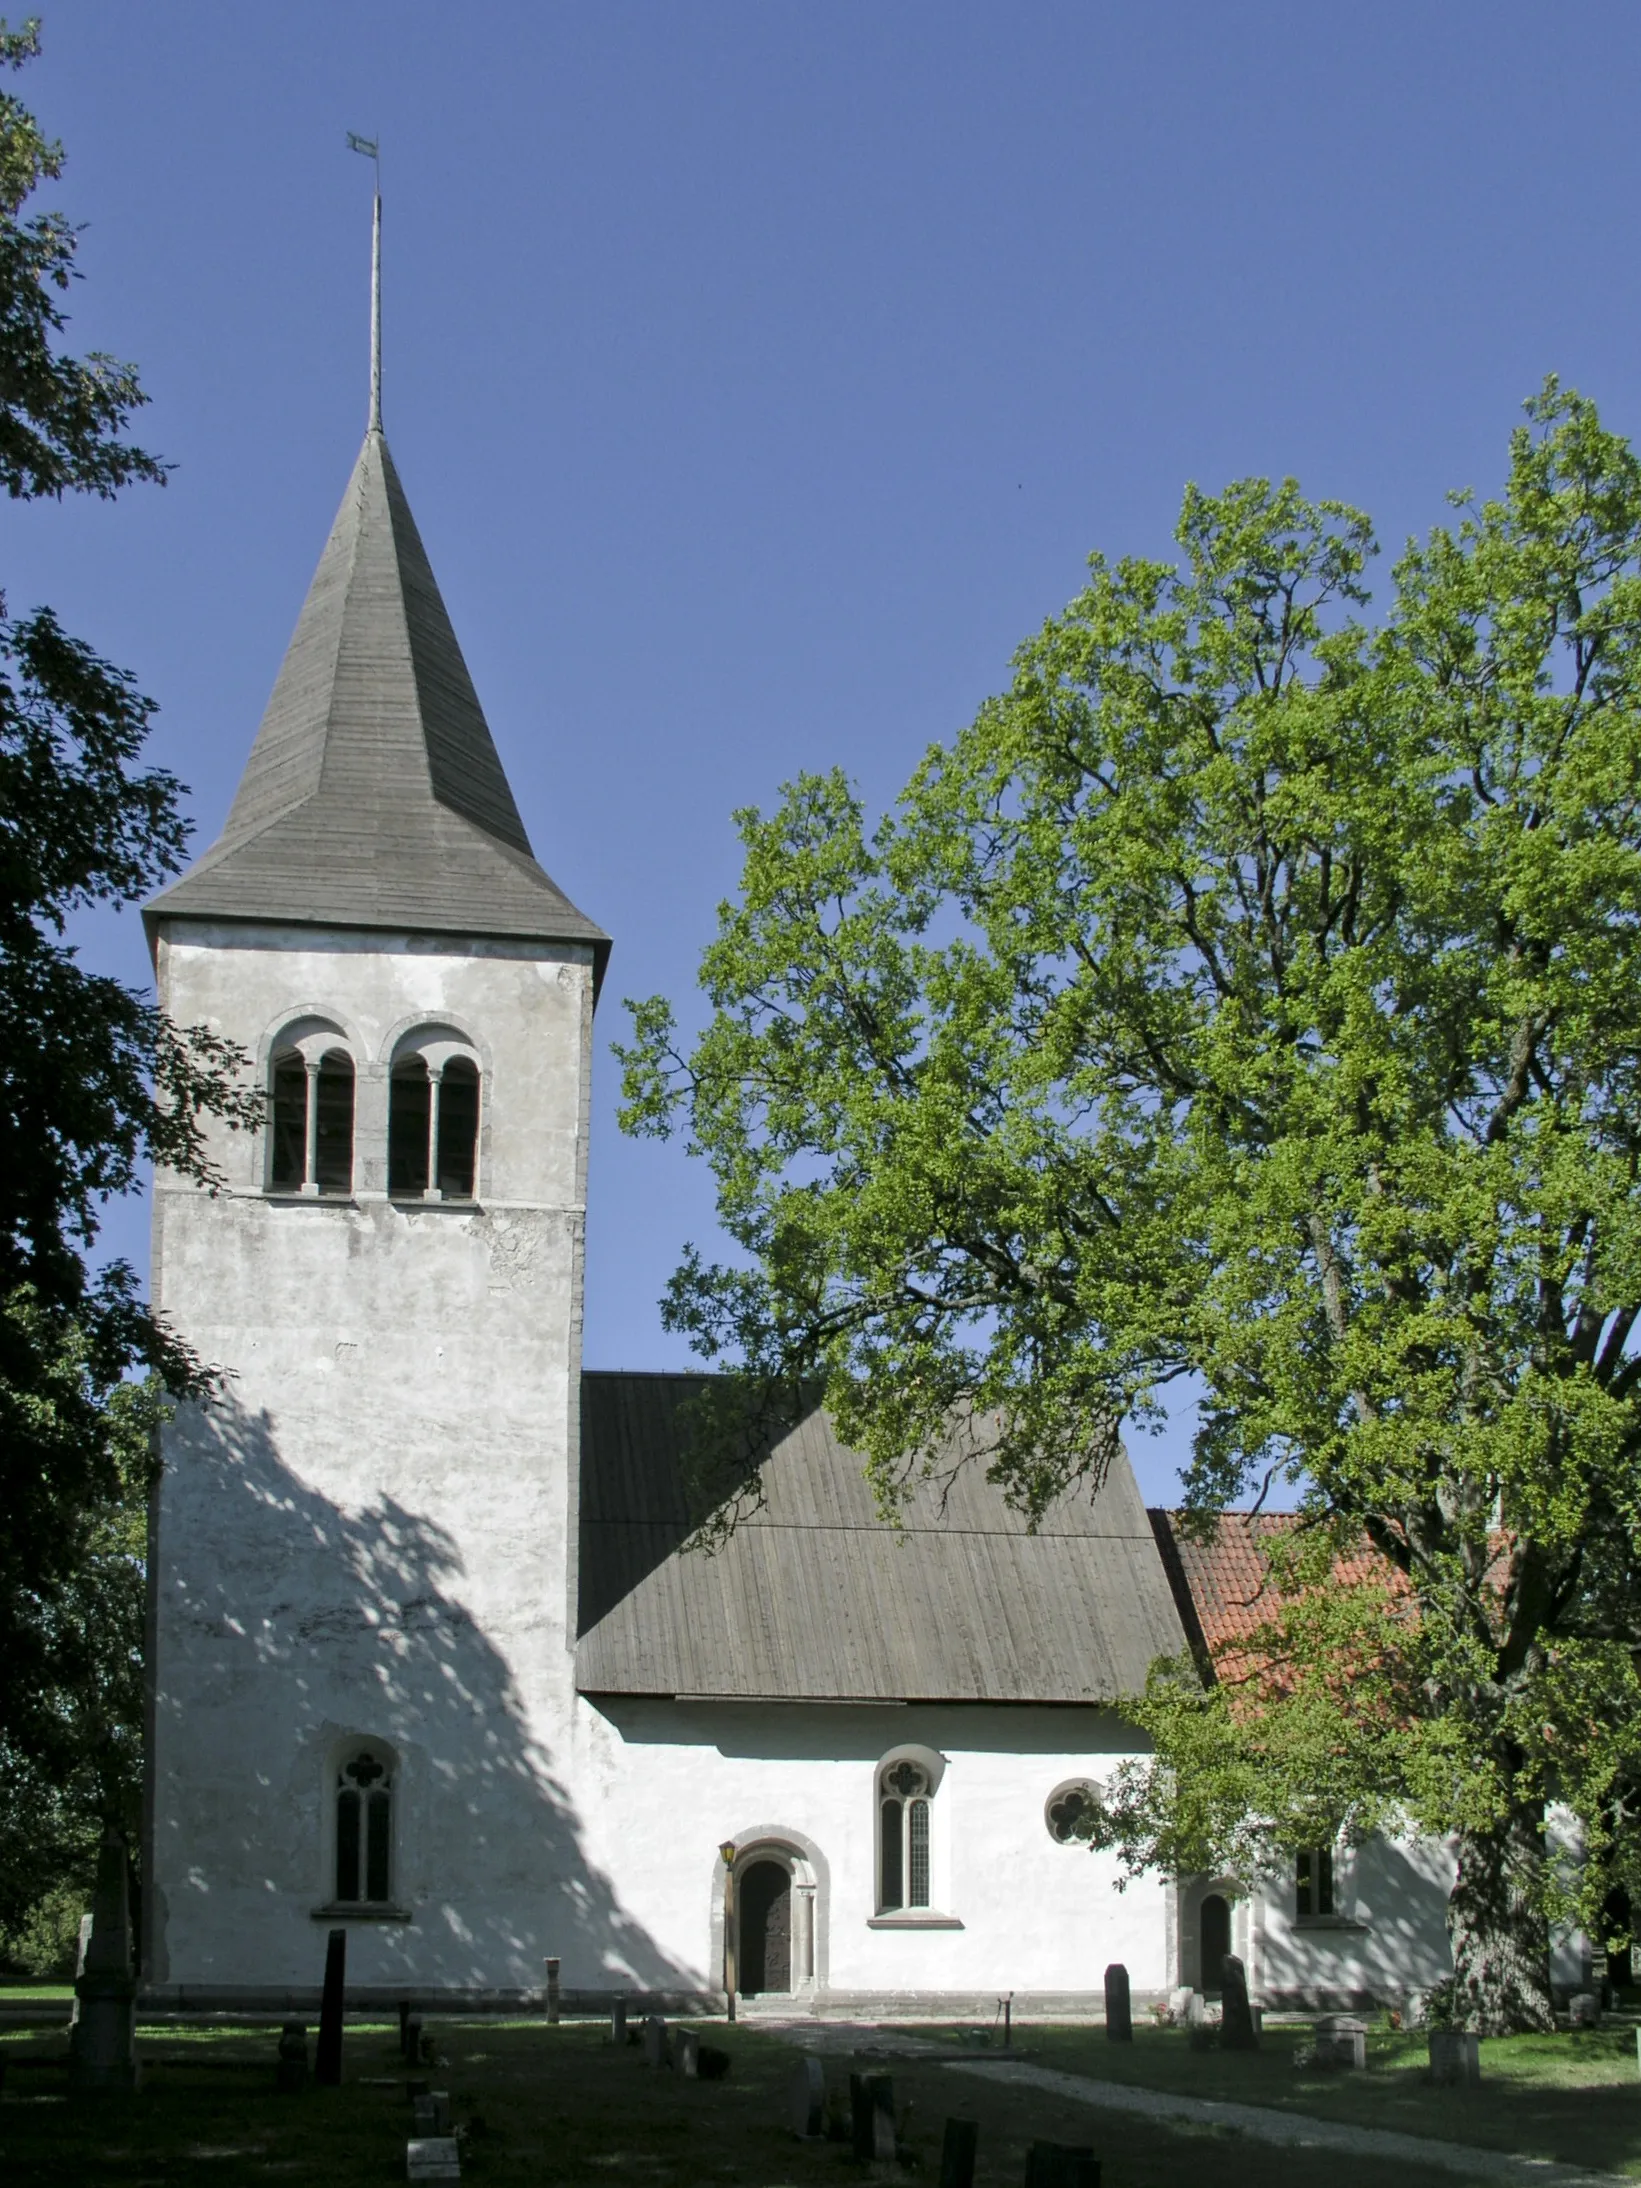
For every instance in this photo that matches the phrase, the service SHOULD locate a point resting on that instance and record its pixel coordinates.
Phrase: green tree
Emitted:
(1250, 994)
(94, 1082)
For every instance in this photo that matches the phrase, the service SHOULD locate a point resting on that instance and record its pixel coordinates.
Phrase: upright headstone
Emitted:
(957, 2151)
(618, 2021)
(421, 2113)
(1340, 2040)
(806, 2099)
(79, 1965)
(687, 2054)
(327, 2065)
(1119, 2008)
(1061, 2165)
(1237, 2031)
(552, 1990)
(404, 2028)
(291, 2076)
(1179, 2002)
(1455, 2057)
(1194, 2013)
(103, 2050)
(433, 2157)
(872, 2117)
(413, 2040)
(1584, 2010)
(655, 2040)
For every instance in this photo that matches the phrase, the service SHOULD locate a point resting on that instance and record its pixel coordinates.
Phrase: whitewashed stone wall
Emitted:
(367, 1536)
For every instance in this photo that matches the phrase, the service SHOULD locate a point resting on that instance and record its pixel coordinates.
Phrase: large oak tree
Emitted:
(1252, 994)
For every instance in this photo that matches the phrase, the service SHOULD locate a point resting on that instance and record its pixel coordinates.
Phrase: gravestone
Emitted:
(433, 2157)
(1119, 2006)
(1195, 2013)
(957, 2151)
(1584, 2010)
(103, 2048)
(411, 2041)
(1236, 2031)
(552, 1990)
(79, 1965)
(711, 2063)
(1061, 2165)
(618, 2021)
(1455, 2058)
(1179, 2003)
(404, 2026)
(1340, 2039)
(327, 2065)
(291, 2075)
(686, 2056)
(655, 2040)
(872, 2117)
(806, 2099)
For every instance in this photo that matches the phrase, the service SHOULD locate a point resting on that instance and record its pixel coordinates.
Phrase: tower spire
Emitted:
(371, 147)
(376, 316)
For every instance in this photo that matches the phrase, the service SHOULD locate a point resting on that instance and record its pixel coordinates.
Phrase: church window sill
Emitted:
(913, 1918)
(309, 1200)
(1328, 1922)
(354, 1911)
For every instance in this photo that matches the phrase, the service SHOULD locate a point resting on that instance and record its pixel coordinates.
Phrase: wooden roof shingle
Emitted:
(814, 1597)
(374, 795)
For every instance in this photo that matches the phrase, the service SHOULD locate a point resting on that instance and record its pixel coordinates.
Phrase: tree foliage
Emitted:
(1250, 994)
(94, 1082)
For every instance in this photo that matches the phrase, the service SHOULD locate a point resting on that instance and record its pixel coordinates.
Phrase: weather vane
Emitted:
(372, 150)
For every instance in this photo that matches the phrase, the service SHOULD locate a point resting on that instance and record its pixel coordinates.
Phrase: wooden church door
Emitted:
(1216, 1939)
(765, 1893)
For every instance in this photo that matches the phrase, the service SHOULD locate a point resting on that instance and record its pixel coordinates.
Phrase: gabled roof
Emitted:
(814, 1597)
(373, 795)
(1227, 1589)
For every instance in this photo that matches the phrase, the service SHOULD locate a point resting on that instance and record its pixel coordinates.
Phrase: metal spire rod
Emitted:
(376, 318)
(371, 148)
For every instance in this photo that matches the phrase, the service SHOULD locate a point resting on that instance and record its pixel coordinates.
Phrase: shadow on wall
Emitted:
(292, 1631)
(1395, 1942)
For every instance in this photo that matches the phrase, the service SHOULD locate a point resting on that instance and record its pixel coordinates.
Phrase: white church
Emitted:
(430, 1658)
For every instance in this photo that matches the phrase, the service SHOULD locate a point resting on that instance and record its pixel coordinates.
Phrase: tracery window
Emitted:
(364, 1829)
(1313, 1881)
(311, 1119)
(433, 1123)
(903, 1836)
(1070, 1809)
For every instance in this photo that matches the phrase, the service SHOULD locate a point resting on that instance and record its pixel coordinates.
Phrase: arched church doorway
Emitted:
(1216, 1938)
(765, 1894)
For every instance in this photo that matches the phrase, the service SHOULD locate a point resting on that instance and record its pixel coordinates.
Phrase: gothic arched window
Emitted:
(433, 1121)
(311, 1118)
(364, 1829)
(903, 1836)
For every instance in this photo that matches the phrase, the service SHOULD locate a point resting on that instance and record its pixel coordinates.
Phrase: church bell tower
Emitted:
(361, 1569)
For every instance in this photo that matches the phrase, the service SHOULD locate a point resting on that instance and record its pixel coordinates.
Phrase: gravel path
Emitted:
(1296, 2129)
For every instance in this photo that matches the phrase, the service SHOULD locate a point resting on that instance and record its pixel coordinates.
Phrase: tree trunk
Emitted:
(1501, 1942)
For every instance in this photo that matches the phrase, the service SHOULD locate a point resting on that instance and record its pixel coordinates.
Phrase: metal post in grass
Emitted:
(727, 1854)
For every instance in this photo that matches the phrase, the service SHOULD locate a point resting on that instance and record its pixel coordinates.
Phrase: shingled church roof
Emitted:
(373, 795)
(814, 1597)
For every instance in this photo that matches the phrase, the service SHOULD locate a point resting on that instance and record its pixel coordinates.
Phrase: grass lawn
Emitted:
(549, 2106)
(1573, 2097)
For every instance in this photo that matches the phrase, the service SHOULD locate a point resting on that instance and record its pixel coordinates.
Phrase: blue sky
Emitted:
(761, 374)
